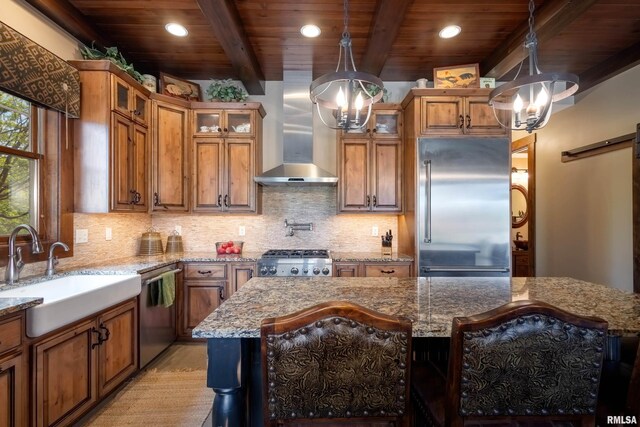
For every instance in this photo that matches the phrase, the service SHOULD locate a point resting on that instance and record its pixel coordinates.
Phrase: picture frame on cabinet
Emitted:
(179, 88)
(459, 76)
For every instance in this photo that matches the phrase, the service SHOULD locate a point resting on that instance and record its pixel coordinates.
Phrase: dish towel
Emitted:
(167, 289)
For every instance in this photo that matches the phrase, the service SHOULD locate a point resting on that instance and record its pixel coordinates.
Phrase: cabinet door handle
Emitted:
(226, 200)
(219, 200)
(96, 331)
(368, 201)
(204, 271)
(461, 121)
(133, 197)
(375, 201)
(468, 121)
(221, 294)
(225, 129)
(107, 333)
(156, 201)
(138, 198)
(387, 271)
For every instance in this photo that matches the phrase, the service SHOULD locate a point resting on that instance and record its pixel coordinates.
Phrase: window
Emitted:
(20, 164)
(36, 175)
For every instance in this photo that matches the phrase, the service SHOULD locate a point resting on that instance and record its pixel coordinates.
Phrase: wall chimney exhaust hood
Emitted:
(297, 141)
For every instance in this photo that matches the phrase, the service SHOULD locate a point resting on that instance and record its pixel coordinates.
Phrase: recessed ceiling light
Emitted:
(310, 30)
(176, 29)
(449, 31)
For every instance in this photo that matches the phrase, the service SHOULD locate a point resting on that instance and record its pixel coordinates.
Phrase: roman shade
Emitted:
(32, 72)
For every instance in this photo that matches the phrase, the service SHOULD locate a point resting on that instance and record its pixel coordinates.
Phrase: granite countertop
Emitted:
(11, 305)
(141, 265)
(340, 256)
(430, 303)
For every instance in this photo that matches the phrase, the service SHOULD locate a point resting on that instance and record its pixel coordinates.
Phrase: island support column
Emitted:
(227, 373)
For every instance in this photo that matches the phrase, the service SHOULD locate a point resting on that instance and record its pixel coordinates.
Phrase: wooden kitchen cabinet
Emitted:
(459, 115)
(118, 355)
(346, 269)
(203, 290)
(128, 99)
(65, 375)
(76, 366)
(372, 269)
(370, 165)
(206, 286)
(13, 375)
(201, 298)
(520, 263)
(387, 269)
(239, 274)
(239, 122)
(226, 157)
(111, 148)
(170, 155)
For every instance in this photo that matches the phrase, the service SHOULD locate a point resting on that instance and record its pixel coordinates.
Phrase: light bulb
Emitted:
(518, 104)
(542, 98)
(340, 99)
(359, 101)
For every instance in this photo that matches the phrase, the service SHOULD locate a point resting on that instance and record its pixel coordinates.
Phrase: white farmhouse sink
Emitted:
(71, 298)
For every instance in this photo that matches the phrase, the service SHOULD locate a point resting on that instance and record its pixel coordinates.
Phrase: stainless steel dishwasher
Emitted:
(157, 325)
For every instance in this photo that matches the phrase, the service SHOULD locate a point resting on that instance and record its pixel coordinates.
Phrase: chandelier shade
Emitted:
(530, 98)
(344, 97)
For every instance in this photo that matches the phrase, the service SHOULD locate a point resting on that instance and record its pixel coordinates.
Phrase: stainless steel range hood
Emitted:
(297, 167)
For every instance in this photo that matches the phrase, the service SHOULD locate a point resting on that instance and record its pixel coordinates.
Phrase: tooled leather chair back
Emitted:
(525, 359)
(336, 361)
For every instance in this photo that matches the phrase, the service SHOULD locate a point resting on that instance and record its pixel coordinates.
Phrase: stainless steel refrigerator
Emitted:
(463, 210)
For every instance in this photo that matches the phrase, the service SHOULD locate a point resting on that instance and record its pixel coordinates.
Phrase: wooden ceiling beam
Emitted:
(616, 64)
(226, 24)
(386, 23)
(71, 20)
(549, 19)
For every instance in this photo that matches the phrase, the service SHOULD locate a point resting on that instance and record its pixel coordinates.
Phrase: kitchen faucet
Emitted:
(15, 264)
(52, 261)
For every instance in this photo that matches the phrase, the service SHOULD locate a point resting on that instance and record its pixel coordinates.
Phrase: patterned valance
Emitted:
(32, 72)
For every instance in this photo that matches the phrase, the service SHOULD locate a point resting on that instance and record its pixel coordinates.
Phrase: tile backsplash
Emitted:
(344, 232)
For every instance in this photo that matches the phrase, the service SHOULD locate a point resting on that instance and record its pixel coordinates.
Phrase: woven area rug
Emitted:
(178, 398)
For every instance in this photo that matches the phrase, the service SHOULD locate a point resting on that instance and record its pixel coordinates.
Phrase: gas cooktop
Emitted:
(296, 253)
(295, 263)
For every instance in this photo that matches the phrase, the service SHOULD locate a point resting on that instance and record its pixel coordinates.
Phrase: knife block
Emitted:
(386, 250)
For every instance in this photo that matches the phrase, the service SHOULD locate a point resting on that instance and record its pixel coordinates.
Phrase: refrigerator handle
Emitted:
(427, 197)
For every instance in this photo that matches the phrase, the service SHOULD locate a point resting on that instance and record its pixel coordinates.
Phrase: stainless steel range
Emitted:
(294, 262)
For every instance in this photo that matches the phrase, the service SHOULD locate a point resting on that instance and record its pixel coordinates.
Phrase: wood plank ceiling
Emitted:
(254, 40)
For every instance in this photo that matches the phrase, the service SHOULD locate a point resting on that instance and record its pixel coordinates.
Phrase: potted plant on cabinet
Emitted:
(226, 91)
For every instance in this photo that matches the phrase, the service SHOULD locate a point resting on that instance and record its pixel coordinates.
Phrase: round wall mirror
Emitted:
(519, 211)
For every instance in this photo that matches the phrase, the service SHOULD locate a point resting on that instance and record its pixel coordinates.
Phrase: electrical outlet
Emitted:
(107, 233)
(241, 231)
(374, 231)
(82, 235)
(178, 229)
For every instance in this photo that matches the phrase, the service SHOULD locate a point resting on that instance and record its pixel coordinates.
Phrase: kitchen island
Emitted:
(233, 330)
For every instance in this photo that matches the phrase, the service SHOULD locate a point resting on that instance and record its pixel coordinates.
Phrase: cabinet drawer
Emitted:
(386, 270)
(205, 271)
(521, 258)
(10, 334)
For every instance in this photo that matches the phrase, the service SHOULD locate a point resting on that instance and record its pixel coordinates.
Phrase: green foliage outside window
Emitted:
(17, 173)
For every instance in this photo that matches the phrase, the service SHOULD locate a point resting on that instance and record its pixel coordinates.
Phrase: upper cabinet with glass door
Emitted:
(129, 101)
(223, 123)
(384, 123)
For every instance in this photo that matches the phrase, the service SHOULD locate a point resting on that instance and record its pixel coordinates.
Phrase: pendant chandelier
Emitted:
(345, 92)
(530, 98)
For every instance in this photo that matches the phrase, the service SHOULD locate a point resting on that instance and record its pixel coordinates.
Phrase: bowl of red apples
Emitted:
(229, 248)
